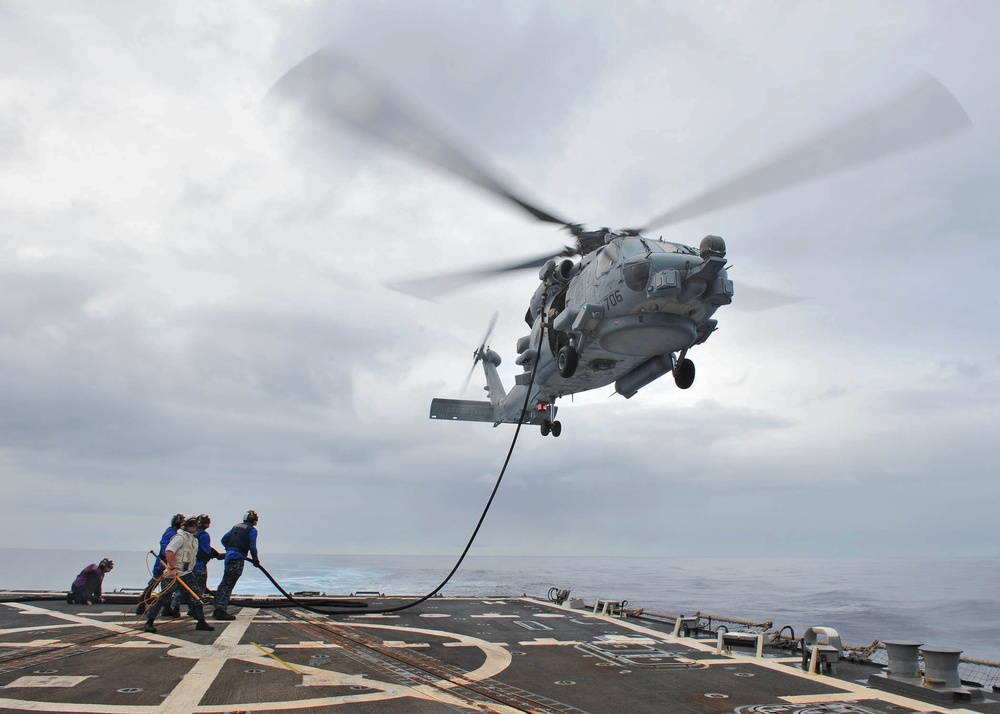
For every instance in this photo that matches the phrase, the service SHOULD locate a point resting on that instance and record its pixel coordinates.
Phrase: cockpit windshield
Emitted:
(637, 245)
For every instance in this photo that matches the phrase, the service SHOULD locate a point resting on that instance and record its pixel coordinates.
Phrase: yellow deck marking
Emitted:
(276, 658)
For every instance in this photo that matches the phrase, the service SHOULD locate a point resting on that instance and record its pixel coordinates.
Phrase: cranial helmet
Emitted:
(250, 516)
(106, 564)
(191, 521)
(204, 520)
(177, 521)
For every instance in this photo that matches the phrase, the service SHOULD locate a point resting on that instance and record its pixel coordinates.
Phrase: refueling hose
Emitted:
(475, 532)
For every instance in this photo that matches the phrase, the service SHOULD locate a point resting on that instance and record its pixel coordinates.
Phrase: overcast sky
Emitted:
(194, 318)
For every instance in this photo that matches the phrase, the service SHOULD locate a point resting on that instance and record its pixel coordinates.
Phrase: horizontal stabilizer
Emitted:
(462, 410)
(469, 410)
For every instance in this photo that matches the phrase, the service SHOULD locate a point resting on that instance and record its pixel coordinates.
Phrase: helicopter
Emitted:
(617, 307)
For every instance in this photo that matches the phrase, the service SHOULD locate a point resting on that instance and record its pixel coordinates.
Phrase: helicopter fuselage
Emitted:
(627, 313)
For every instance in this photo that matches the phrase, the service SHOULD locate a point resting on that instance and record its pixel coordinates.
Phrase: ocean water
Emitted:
(946, 602)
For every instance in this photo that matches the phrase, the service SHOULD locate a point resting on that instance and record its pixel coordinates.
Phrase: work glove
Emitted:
(255, 562)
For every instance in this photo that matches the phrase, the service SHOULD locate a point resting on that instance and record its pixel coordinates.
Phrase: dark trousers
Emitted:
(234, 569)
(147, 594)
(200, 582)
(194, 603)
(83, 594)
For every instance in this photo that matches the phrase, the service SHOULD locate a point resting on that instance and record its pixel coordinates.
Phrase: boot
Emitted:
(202, 625)
(148, 627)
(170, 612)
(70, 600)
(222, 615)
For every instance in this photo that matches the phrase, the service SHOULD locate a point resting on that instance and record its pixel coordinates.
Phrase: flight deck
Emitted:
(444, 655)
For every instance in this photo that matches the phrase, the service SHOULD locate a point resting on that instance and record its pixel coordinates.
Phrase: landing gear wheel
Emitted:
(566, 361)
(684, 373)
(546, 427)
(556, 428)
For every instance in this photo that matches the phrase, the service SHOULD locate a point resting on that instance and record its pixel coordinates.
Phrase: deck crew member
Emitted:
(161, 557)
(241, 543)
(180, 553)
(205, 553)
(86, 588)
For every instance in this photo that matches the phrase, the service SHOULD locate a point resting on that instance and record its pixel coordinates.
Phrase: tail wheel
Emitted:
(684, 373)
(566, 361)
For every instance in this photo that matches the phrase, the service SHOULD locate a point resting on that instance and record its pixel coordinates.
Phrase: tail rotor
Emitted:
(480, 351)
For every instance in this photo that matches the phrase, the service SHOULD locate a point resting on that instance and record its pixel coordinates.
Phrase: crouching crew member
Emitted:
(180, 556)
(241, 543)
(86, 588)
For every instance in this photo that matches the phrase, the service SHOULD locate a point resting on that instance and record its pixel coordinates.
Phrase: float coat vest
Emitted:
(238, 538)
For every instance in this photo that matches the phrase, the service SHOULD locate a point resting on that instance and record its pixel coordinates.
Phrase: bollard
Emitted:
(941, 667)
(903, 660)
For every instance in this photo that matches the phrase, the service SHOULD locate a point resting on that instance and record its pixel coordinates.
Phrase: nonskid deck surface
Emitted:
(445, 655)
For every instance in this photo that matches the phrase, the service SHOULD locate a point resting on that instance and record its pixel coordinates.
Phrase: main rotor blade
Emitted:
(925, 113)
(750, 298)
(328, 87)
(432, 286)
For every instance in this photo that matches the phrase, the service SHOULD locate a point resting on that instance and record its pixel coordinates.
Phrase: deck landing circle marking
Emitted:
(497, 659)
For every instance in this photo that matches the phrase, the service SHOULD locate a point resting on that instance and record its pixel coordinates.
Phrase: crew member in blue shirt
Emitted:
(241, 544)
(205, 553)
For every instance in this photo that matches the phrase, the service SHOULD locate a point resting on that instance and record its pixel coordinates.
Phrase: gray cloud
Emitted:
(193, 317)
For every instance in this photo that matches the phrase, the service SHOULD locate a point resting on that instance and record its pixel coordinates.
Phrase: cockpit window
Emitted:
(633, 246)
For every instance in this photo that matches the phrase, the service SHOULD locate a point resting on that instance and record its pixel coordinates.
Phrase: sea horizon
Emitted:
(946, 601)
